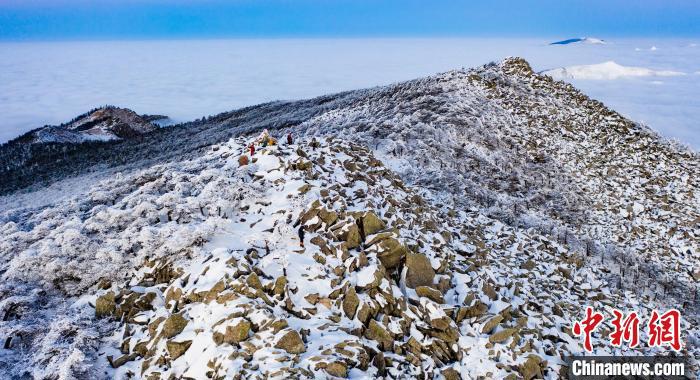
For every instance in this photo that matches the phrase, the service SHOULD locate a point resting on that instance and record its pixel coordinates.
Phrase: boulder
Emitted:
(503, 335)
(176, 349)
(291, 342)
(328, 217)
(528, 265)
(420, 272)
(531, 368)
(442, 323)
(243, 160)
(376, 238)
(371, 224)
(491, 324)
(254, 281)
(365, 313)
(234, 334)
(451, 374)
(379, 362)
(351, 236)
(174, 325)
(303, 165)
(303, 189)
(350, 303)
(105, 305)
(377, 277)
(120, 361)
(430, 293)
(376, 332)
(337, 369)
(476, 310)
(391, 252)
(280, 286)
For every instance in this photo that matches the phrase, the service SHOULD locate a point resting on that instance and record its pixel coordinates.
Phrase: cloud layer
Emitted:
(49, 83)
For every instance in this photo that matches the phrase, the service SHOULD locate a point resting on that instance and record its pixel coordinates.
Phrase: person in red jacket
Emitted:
(252, 149)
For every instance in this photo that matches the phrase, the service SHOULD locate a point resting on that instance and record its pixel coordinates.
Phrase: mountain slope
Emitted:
(529, 201)
(385, 284)
(537, 153)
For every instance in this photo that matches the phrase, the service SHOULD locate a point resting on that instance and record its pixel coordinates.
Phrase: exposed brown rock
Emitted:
(291, 342)
(105, 305)
(420, 272)
(350, 303)
(174, 325)
(177, 349)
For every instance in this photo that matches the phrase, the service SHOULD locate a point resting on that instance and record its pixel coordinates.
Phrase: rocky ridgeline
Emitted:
(386, 284)
(537, 153)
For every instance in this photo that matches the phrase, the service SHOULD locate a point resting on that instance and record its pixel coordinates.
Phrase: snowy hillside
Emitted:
(453, 225)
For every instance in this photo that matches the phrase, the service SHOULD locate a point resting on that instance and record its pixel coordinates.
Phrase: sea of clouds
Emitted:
(51, 82)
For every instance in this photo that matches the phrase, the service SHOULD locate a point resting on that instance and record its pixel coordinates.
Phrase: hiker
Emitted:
(314, 143)
(301, 236)
(252, 149)
(267, 249)
(289, 138)
(265, 141)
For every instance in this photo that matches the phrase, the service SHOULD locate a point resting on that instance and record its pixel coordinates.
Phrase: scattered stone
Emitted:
(328, 217)
(528, 265)
(337, 369)
(280, 286)
(350, 303)
(420, 272)
(105, 305)
(430, 293)
(450, 374)
(352, 237)
(491, 324)
(176, 349)
(503, 335)
(174, 325)
(531, 368)
(291, 342)
(234, 334)
(391, 252)
(371, 224)
(377, 332)
(304, 188)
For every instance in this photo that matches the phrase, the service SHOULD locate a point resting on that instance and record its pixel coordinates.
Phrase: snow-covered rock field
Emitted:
(453, 226)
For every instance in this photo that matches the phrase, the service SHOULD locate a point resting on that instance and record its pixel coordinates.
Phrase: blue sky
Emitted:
(136, 19)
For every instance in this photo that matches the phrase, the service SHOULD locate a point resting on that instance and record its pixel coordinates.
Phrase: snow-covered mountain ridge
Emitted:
(518, 200)
(102, 124)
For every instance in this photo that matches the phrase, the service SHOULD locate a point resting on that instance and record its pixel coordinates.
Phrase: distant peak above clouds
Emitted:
(582, 40)
(606, 71)
(100, 124)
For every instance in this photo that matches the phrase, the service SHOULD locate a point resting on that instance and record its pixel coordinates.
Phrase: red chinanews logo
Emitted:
(663, 330)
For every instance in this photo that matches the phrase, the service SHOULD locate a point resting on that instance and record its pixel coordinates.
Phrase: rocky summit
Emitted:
(451, 227)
